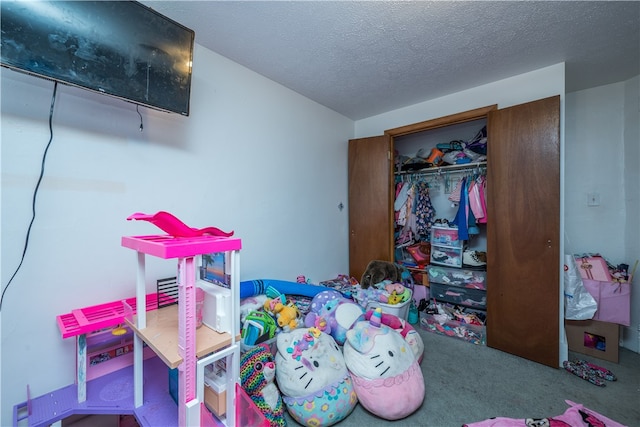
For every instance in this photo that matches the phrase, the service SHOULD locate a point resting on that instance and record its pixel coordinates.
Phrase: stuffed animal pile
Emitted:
(337, 355)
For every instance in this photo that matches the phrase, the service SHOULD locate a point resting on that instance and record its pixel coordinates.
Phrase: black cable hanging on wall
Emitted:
(138, 111)
(35, 193)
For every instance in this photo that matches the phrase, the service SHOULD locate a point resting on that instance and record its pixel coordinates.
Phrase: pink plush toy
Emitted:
(410, 335)
(386, 375)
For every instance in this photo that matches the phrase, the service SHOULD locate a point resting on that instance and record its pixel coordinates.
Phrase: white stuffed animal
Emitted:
(313, 378)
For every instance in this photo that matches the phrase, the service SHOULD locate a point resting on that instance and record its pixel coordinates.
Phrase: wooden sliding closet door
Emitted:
(370, 202)
(523, 230)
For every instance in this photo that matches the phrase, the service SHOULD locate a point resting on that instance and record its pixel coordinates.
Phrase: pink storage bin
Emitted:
(445, 236)
(247, 413)
(593, 268)
(614, 300)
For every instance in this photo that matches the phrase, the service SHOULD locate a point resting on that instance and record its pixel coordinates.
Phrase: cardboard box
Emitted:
(215, 393)
(216, 401)
(593, 338)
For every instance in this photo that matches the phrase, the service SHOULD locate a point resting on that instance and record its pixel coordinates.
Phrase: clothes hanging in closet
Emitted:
(469, 193)
(414, 212)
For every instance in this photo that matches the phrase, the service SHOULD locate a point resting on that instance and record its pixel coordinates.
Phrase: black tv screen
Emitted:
(119, 48)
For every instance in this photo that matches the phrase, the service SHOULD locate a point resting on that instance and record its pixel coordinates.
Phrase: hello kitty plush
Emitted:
(313, 378)
(410, 335)
(385, 372)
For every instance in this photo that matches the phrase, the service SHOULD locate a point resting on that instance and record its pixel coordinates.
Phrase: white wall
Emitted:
(631, 334)
(542, 83)
(253, 157)
(594, 159)
(603, 146)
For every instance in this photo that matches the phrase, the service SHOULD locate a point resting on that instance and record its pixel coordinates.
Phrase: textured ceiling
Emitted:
(368, 57)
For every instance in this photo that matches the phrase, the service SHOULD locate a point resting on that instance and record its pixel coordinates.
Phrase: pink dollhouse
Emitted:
(125, 348)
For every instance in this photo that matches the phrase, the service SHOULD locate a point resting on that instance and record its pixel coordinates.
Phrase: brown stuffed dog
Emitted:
(377, 271)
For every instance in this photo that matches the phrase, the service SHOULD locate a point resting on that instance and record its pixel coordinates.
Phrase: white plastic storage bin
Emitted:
(446, 255)
(217, 301)
(399, 310)
(445, 236)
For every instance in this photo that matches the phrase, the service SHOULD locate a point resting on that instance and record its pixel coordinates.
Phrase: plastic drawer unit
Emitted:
(446, 249)
(464, 278)
(447, 256)
(474, 298)
(445, 236)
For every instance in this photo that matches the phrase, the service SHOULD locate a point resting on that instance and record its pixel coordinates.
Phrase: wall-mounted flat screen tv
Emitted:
(119, 48)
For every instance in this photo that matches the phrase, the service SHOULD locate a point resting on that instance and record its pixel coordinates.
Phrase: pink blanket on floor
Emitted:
(576, 416)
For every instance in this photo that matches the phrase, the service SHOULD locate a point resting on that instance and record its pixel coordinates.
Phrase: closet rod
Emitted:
(449, 168)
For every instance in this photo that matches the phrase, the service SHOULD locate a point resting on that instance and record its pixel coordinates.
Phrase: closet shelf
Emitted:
(440, 169)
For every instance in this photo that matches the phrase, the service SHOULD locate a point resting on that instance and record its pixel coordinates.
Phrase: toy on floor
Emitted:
(385, 372)
(313, 378)
(257, 328)
(286, 314)
(257, 378)
(288, 317)
(589, 371)
(250, 288)
(249, 304)
(333, 314)
(377, 271)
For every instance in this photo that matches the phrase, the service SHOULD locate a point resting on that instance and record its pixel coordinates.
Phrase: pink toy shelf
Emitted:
(90, 319)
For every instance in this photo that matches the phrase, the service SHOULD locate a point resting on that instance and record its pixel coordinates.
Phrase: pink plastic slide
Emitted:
(176, 228)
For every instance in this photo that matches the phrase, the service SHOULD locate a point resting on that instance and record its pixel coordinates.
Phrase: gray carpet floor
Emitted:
(468, 383)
